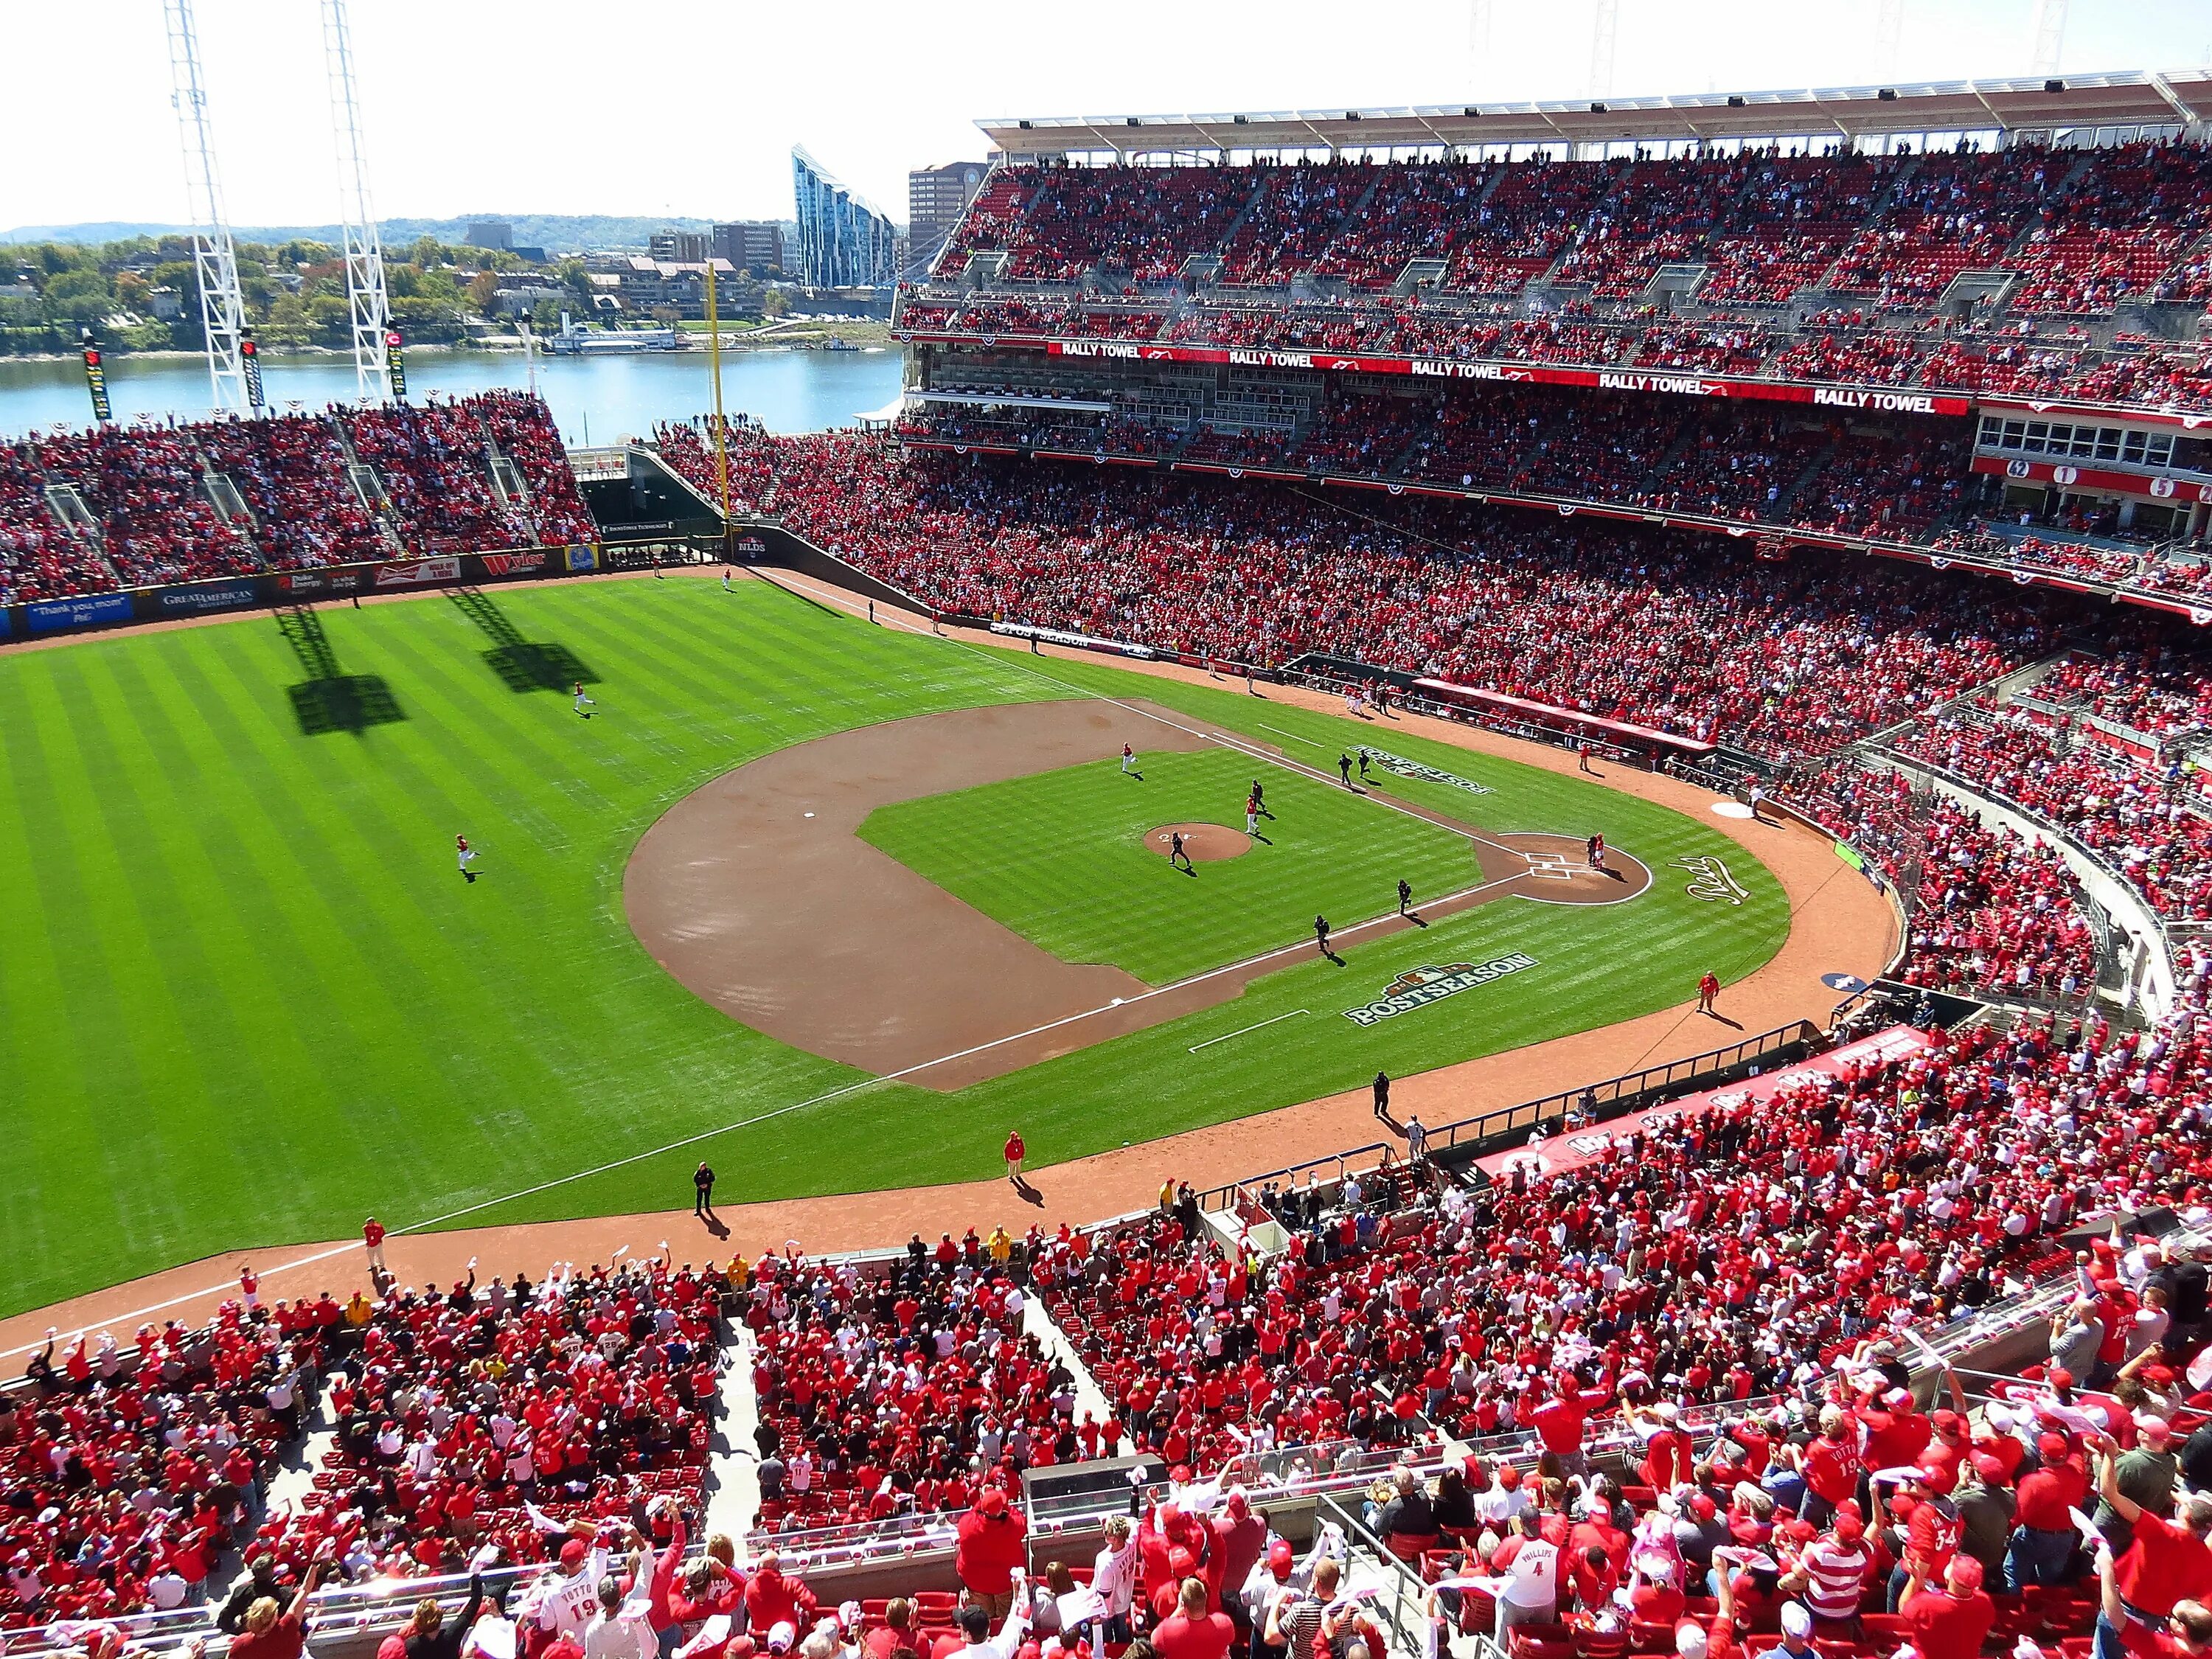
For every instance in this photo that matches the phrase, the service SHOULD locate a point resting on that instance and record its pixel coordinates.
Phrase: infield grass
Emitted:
(1060, 857)
(247, 999)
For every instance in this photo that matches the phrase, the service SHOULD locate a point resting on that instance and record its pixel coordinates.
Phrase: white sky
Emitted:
(692, 108)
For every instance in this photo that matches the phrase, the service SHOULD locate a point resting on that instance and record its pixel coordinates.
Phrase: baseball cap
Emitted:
(1690, 1640)
(780, 1638)
(1703, 1507)
(1964, 1574)
(2050, 1447)
(572, 1552)
(1795, 1620)
(993, 1502)
(1280, 1558)
(2059, 1377)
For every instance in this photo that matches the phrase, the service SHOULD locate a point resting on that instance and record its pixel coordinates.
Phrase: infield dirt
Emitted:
(757, 893)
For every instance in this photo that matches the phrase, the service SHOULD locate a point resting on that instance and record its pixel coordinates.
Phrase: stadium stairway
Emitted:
(733, 1469)
(1090, 1398)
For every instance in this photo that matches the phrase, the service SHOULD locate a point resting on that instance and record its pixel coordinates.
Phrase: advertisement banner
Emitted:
(583, 558)
(95, 382)
(343, 580)
(6, 621)
(415, 574)
(514, 564)
(205, 597)
(1884, 399)
(52, 615)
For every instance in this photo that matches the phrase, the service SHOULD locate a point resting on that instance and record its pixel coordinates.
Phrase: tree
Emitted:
(775, 303)
(483, 293)
(545, 317)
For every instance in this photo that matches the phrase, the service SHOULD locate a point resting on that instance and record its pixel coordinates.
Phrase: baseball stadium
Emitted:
(1454, 899)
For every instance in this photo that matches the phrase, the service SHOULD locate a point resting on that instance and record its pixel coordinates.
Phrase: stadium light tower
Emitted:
(363, 248)
(214, 259)
(2050, 36)
(1478, 47)
(1889, 38)
(1608, 25)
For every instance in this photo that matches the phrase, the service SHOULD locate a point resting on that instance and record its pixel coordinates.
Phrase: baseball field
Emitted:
(831, 905)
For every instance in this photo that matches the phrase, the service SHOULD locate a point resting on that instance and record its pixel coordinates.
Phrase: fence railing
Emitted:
(1619, 1095)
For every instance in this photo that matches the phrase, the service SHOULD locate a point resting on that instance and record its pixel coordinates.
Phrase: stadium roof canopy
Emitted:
(2127, 97)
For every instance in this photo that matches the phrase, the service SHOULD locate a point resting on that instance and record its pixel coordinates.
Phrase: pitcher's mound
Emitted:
(1204, 843)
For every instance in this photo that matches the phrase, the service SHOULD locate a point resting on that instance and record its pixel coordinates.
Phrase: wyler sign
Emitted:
(1424, 986)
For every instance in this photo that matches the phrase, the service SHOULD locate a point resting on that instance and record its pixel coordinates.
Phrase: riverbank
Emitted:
(598, 399)
(789, 334)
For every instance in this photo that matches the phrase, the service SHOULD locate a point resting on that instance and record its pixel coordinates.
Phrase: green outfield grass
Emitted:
(247, 999)
(1060, 857)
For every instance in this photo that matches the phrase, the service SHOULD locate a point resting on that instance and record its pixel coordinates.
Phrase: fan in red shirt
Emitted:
(1192, 1632)
(1948, 1623)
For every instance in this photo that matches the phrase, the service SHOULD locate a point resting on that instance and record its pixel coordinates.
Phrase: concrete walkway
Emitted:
(733, 1473)
(1090, 1399)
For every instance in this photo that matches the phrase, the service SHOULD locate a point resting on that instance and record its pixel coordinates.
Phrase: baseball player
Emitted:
(1129, 762)
(468, 854)
(726, 582)
(1405, 895)
(1321, 933)
(1708, 990)
(1176, 854)
(583, 702)
(1252, 815)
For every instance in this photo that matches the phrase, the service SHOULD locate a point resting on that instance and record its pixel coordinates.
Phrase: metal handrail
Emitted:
(1652, 1079)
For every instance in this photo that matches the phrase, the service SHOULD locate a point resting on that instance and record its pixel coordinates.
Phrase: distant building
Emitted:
(843, 240)
(755, 245)
(937, 197)
(682, 247)
(493, 234)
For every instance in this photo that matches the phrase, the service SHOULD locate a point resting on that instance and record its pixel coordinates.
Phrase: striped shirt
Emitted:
(1838, 1573)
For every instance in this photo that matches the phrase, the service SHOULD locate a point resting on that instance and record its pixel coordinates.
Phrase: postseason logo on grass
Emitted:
(1408, 768)
(1424, 986)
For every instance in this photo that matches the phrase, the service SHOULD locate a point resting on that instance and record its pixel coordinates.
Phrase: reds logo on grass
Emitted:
(1422, 986)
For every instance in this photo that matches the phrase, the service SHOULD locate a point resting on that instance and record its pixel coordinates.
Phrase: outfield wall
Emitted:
(274, 589)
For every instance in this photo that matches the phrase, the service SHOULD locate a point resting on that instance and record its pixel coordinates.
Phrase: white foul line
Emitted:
(1225, 1036)
(1316, 742)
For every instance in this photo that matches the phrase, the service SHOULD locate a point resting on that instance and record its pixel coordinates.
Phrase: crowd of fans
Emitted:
(158, 512)
(129, 1470)
(1788, 656)
(473, 1425)
(2076, 232)
(1908, 484)
(2142, 819)
(41, 557)
(899, 1390)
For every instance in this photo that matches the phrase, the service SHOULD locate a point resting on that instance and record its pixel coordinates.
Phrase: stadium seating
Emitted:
(41, 558)
(459, 1412)
(1791, 658)
(143, 485)
(900, 1393)
(2065, 236)
(149, 492)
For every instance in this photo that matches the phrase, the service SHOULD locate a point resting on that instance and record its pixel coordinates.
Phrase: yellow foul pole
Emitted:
(721, 447)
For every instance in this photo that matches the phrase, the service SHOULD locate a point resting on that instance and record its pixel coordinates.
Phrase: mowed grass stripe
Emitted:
(288, 952)
(39, 1046)
(372, 871)
(119, 1015)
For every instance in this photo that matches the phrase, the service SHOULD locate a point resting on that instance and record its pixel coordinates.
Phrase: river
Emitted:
(596, 400)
